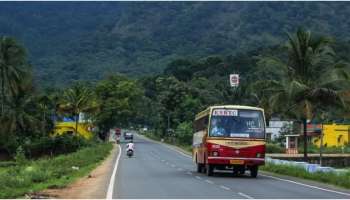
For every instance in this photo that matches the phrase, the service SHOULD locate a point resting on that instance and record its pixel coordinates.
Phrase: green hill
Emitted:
(86, 40)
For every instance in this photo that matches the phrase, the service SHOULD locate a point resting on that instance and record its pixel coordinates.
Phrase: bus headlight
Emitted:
(258, 155)
(215, 153)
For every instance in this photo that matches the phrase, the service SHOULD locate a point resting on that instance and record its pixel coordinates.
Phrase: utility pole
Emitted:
(321, 146)
(305, 139)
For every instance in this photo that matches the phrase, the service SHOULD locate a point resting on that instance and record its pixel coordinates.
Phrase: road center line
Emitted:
(224, 187)
(112, 180)
(244, 195)
(310, 186)
(210, 182)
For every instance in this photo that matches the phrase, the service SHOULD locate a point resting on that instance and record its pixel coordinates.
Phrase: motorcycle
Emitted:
(130, 153)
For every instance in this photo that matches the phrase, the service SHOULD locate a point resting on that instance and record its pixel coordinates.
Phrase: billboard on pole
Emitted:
(234, 80)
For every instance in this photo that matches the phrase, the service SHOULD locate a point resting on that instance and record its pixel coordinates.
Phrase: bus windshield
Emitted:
(237, 123)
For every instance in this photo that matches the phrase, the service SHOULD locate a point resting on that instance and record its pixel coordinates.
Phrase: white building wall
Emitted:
(275, 126)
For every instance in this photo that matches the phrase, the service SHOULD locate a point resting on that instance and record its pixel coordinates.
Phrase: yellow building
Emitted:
(334, 135)
(84, 129)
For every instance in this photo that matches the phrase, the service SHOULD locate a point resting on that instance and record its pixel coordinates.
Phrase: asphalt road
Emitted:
(157, 171)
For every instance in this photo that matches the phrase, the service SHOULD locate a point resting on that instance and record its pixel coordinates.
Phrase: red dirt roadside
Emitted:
(93, 186)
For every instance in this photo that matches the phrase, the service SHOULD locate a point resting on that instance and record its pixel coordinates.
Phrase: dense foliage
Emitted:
(128, 37)
(305, 78)
(301, 80)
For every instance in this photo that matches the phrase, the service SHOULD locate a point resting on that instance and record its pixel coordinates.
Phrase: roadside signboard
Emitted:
(234, 80)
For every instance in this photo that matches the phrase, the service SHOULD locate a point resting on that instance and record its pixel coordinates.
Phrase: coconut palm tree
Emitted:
(21, 115)
(77, 99)
(311, 78)
(12, 58)
(260, 98)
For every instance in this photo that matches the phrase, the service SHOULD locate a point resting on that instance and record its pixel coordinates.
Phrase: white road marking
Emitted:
(224, 187)
(244, 195)
(306, 185)
(189, 173)
(112, 180)
(173, 165)
(310, 186)
(210, 182)
(163, 160)
(199, 178)
(180, 169)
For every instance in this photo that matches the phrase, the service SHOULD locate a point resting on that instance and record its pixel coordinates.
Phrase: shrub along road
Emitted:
(93, 186)
(33, 176)
(157, 171)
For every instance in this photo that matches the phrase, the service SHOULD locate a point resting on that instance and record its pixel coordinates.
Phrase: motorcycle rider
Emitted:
(130, 146)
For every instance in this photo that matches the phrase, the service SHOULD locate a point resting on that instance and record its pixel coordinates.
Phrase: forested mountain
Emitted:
(70, 41)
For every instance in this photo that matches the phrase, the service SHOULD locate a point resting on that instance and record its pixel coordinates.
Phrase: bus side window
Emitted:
(195, 126)
(201, 124)
(206, 119)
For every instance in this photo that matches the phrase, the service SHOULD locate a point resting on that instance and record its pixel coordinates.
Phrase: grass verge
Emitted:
(342, 180)
(56, 172)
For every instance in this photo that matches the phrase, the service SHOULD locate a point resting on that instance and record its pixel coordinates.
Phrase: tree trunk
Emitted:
(76, 128)
(305, 139)
(44, 124)
(76, 123)
(2, 92)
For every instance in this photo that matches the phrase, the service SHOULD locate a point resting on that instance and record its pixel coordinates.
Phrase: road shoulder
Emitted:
(306, 181)
(93, 186)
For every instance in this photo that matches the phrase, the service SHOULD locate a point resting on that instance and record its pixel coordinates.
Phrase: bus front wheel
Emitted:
(210, 170)
(254, 171)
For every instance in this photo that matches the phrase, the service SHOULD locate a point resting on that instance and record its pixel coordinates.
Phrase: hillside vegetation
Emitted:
(85, 41)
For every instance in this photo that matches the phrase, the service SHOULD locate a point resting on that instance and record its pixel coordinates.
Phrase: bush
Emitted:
(15, 181)
(61, 144)
(274, 148)
(7, 163)
(184, 133)
(20, 157)
(34, 174)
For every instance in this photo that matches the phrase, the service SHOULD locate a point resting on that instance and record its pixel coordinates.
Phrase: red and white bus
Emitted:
(229, 137)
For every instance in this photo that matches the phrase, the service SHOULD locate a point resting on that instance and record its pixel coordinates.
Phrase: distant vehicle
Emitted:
(117, 131)
(128, 136)
(229, 137)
